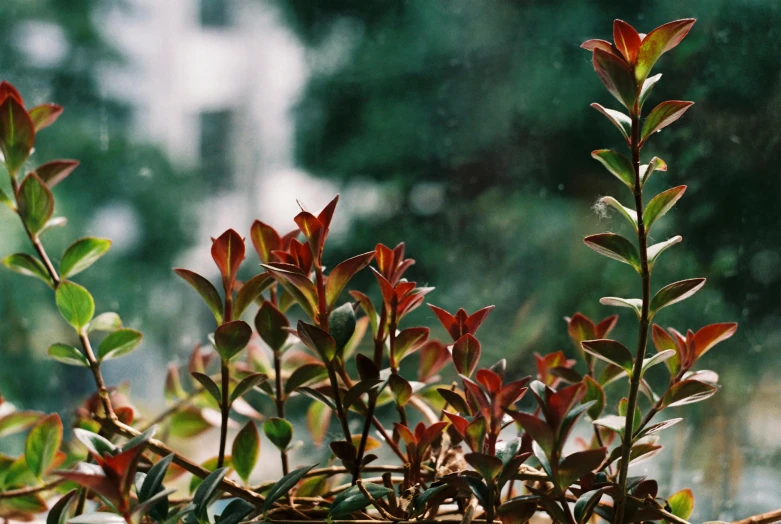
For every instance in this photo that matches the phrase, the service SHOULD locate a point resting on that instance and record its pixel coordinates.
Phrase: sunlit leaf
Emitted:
(617, 164)
(54, 172)
(249, 292)
(341, 275)
(17, 133)
(17, 421)
(317, 340)
(75, 303)
(28, 265)
(42, 444)
(675, 292)
(648, 85)
(661, 204)
(246, 384)
(610, 351)
(107, 322)
(659, 41)
(617, 118)
(45, 115)
(655, 250)
(466, 354)
(596, 393)
(662, 116)
(119, 343)
(682, 503)
(67, 354)
(688, 392)
(245, 451)
(36, 202)
(228, 252)
(279, 431)
(628, 213)
(711, 335)
(265, 239)
(626, 39)
(616, 247)
(656, 359)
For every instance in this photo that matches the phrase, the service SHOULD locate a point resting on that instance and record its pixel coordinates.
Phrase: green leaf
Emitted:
(107, 322)
(610, 351)
(284, 485)
(487, 466)
(401, 389)
(153, 482)
(659, 41)
(231, 337)
(662, 116)
(17, 133)
(271, 324)
(657, 249)
(44, 115)
(236, 512)
(542, 458)
(204, 288)
(17, 421)
(353, 499)
(317, 340)
(279, 431)
(187, 423)
(682, 504)
(82, 254)
(341, 325)
(586, 504)
(673, 293)
(617, 118)
(55, 171)
(518, 510)
(306, 374)
(119, 343)
(29, 266)
(246, 384)
(75, 304)
(5, 199)
(297, 284)
(579, 464)
(59, 512)
(615, 247)
(36, 203)
(656, 359)
(614, 423)
(409, 340)
(596, 393)
(250, 291)
(648, 85)
(616, 75)
(43, 443)
(617, 164)
(96, 444)
(646, 170)
(209, 385)
(245, 451)
(629, 214)
(67, 354)
(207, 491)
(688, 392)
(635, 304)
(341, 275)
(661, 204)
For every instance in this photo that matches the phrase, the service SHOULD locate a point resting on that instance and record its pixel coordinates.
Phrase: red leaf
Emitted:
(617, 77)
(490, 380)
(409, 340)
(17, 133)
(510, 393)
(447, 320)
(476, 319)
(595, 43)
(459, 422)
(561, 402)
(430, 434)
(386, 288)
(327, 214)
(711, 335)
(228, 252)
(45, 115)
(536, 428)
(406, 435)
(341, 275)
(52, 173)
(606, 325)
(385, 260)
(466, 354)
(627, 40)
(433, 357)
(314, 231)
(6, 90)
(657, 42)
(581, 328)
(662, 116)
(265, 239)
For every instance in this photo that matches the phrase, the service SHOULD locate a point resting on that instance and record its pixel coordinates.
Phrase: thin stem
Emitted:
(634, 384)
(764, 518)
(225, 411)
(489, 510)
(280, 401)
(30, 490)
(554, 463)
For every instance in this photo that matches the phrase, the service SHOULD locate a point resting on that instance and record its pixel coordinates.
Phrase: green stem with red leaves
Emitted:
(634, 384)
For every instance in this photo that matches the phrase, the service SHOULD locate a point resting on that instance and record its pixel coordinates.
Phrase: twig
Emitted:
(30, 490)
(374, 502)
(764, 518)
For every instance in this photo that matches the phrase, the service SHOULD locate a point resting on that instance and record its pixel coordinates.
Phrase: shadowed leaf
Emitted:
(36, 203)
(231, 337)
(616, 75)
(245, 450)
(27, 265)
(617, 118)
(615, 247)
(662, 116)
(688, 392)
(675, 292)
(617, 164)
(67, 355)
(661, 204)
(17, 133)
(204, 288)
(610, 351)
(341, 275)
(42, 444)
(284, 485)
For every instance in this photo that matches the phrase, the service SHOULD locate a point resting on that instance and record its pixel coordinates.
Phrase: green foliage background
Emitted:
(470, 120)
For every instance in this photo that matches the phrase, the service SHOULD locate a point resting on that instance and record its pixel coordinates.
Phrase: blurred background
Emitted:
(461, 128)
